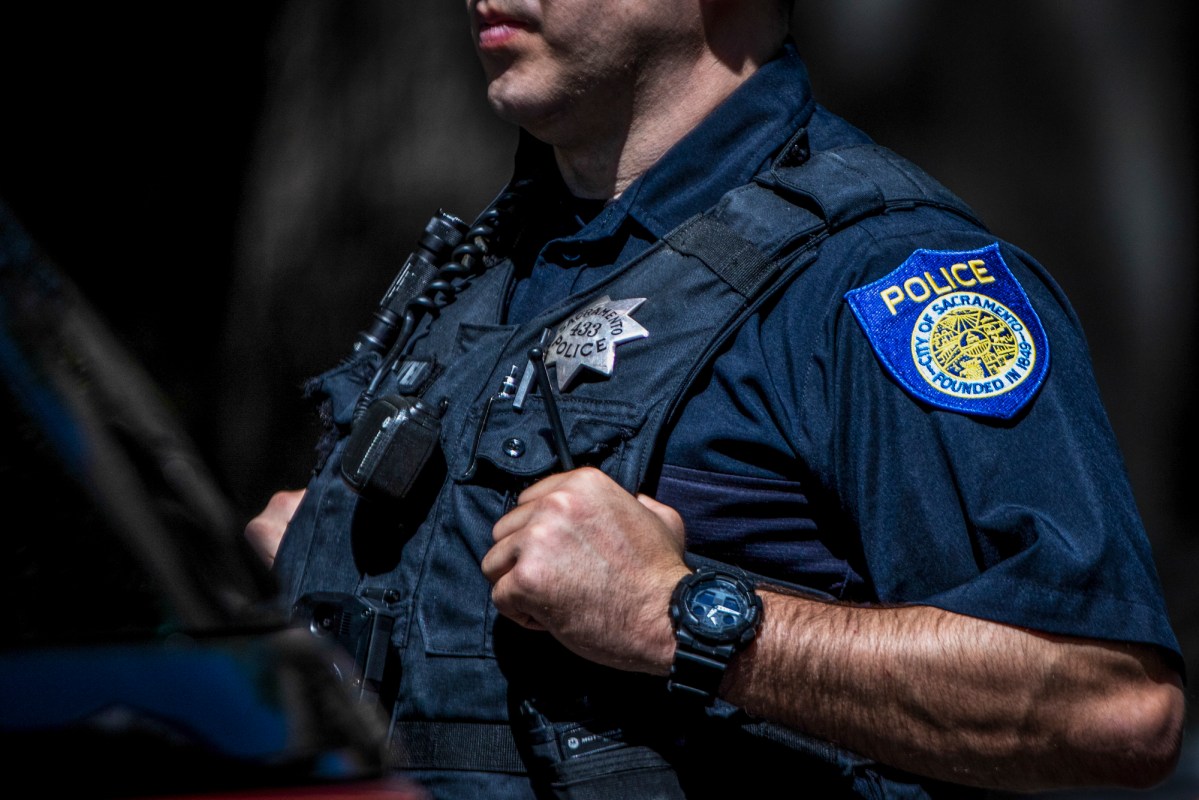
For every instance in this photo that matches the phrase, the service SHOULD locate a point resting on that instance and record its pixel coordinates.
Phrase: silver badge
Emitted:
(589, 338)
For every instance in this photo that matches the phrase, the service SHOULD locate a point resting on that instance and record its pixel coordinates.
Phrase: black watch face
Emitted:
(718, 608)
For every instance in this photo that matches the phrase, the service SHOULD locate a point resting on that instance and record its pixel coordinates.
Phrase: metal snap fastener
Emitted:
(514, 447)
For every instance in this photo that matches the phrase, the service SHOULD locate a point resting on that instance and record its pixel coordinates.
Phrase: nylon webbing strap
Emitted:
(473, 746)
(849, 183)
(737, 261)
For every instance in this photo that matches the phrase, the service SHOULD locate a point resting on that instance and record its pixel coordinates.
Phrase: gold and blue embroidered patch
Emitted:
(956, 330)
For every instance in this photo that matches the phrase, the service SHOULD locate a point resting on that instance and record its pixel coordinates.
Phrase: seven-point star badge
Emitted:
(589, 338)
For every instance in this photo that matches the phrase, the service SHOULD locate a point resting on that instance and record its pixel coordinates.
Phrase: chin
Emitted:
(526, 109)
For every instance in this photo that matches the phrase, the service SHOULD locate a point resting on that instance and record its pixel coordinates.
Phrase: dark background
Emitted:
(233, 188)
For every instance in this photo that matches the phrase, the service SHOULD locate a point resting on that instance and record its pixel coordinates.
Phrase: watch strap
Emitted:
(698, 669)
(699, 666)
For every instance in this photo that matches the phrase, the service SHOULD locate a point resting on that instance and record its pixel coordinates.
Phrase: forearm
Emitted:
(962, 699)
(939, 694)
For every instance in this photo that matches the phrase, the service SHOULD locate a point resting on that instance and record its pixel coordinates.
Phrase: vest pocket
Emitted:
(522, 443)
(511, 449)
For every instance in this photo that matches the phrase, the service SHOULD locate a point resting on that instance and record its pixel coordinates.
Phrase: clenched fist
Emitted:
(594, 566)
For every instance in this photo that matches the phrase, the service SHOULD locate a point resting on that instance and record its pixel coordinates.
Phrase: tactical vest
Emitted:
(466, 679)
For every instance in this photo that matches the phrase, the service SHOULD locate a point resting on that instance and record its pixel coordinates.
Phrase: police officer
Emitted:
(832, 494)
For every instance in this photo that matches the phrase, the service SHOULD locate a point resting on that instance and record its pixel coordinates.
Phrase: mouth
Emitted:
(497, 28)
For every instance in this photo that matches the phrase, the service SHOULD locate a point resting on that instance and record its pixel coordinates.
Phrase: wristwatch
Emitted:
(716, 613)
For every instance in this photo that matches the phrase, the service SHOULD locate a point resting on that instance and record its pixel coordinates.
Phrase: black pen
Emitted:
(551, 408)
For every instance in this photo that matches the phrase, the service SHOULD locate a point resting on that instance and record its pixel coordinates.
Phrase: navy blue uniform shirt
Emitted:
(801, 456)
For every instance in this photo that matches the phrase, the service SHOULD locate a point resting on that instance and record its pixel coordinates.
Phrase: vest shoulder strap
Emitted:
(761, 235)
(747, 236)
(846, 184)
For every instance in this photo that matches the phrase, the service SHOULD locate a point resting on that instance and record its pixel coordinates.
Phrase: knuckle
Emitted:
(559, 502)
(674, 518)
(528, 576)
(586, 476)
(542, 535)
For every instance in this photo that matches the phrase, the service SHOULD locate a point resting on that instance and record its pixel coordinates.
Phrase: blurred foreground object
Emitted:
(142, 655)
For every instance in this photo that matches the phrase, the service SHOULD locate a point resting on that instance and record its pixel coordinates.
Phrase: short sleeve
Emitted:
(1027, 519)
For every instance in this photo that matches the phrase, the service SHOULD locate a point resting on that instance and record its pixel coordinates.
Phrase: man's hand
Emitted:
(937, 693)
(265, 531)
(582, 558)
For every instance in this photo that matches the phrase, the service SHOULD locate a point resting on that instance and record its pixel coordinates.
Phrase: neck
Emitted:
(601, 154)
(603, 162)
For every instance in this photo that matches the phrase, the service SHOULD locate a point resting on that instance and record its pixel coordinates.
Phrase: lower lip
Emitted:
(494, 36)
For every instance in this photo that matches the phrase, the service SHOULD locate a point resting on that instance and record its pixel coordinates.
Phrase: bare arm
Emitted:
(963, 699)
(936, 693)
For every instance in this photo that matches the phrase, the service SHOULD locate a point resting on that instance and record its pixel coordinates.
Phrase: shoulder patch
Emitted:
(956, 330)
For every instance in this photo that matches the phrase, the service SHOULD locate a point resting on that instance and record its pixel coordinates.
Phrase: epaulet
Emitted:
(845, 184)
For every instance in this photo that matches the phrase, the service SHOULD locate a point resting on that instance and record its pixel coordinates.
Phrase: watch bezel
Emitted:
(705, 578)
